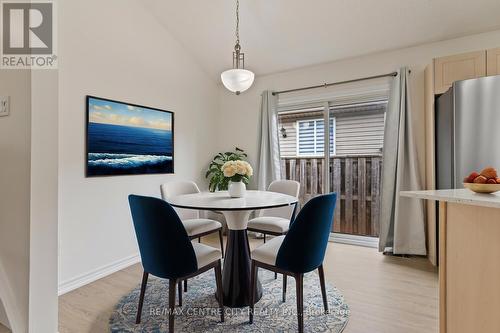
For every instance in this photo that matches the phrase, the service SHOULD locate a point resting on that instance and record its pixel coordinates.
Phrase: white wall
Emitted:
(15, 197)
(43, 302)
(115, 49)
(244, 109)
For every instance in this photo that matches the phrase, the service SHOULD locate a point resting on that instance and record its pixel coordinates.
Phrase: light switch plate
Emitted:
(4, 106)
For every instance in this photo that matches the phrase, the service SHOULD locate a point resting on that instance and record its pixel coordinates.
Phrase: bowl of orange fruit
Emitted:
(486, 181)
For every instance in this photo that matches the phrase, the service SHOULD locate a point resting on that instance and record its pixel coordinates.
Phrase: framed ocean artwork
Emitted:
(128, 139)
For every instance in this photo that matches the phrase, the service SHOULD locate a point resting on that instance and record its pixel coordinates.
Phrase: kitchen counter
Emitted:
(469, 259)
(460, 196)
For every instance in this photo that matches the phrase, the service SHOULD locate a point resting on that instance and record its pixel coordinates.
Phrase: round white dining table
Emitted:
(236, 273)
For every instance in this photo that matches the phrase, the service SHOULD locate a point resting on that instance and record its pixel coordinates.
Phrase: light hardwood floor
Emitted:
(385, 294)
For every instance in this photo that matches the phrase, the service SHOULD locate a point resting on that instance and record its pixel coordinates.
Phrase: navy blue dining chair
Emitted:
(167, 252)
(300, 251)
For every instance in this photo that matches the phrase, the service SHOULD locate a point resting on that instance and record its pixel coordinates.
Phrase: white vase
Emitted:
(237, 189)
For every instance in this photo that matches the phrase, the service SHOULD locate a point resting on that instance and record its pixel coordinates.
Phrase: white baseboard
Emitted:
(96, 274)
(354, 240)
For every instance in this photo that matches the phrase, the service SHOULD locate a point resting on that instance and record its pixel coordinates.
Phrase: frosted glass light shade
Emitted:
(237, 80)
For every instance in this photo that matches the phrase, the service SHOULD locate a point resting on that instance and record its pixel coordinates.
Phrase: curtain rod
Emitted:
(325, 85)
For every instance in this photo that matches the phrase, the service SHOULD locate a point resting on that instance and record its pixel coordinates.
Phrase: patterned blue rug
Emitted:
(199, 310)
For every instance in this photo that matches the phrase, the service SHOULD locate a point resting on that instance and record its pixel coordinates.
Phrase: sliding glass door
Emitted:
(355, 166)
(344, 157)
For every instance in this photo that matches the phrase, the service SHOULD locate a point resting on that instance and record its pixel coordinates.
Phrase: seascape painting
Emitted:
(127, 139)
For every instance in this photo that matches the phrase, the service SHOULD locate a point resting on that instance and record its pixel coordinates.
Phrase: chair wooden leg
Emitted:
(221, 239)
(171, 304)
(199, 239)
(323, 287)
(253, 279)
(141, 297)
(284, 287)
(264, 238)
(185, 286)
(220, 296)
(275, 275)
(299, 282)
(179, 287)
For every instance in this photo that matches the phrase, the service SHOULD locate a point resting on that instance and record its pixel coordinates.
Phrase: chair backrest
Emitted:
(165, 248)
(290, 187)
(180, 187)
(304, 246)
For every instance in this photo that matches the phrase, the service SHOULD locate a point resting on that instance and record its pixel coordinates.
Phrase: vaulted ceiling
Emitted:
(279, 35)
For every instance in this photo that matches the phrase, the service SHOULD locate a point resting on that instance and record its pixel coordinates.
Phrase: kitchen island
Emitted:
(469, 259)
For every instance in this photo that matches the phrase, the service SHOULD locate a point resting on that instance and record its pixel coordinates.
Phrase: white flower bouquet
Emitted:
(237, 171)
(215, 175)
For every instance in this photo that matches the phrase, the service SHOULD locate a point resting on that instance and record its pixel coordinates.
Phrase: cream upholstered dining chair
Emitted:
(195, 226)
(276, 221)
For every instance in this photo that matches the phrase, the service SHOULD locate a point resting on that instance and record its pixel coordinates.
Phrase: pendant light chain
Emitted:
(237, 22)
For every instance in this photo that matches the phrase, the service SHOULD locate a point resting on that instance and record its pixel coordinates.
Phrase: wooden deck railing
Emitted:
(355, 179)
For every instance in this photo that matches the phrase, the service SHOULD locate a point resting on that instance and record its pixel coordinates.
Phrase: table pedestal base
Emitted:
(236, 280)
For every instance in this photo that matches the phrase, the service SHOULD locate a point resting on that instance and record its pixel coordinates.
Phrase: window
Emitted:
(310, 137)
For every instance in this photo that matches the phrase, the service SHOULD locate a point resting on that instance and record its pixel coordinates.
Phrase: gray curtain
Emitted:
(402, 220)
(269, 148)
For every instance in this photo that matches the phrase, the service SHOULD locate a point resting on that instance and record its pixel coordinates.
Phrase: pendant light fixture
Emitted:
(237, 79)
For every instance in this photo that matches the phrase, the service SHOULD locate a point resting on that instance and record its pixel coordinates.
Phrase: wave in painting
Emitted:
(106, 163)
(125, 160)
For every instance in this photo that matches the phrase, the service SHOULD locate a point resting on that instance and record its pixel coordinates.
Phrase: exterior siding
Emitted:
(360, 135)
(288, 145)
(355, 134)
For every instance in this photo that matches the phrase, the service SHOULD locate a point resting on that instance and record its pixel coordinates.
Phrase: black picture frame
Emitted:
(89, 174)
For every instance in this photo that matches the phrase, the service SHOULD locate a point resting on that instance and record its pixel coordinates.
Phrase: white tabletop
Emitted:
(221, 201)
(460, 196)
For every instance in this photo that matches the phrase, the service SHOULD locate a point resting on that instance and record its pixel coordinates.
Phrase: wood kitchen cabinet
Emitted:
(493, 62)
(469, 269)
(458, 67)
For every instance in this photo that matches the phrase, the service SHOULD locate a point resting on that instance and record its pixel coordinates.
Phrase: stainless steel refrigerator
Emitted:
(467, 130)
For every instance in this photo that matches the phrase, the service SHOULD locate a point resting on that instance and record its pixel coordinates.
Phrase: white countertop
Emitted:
(460, 196)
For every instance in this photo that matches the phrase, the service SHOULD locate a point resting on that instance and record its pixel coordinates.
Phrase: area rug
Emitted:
(199, 312)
